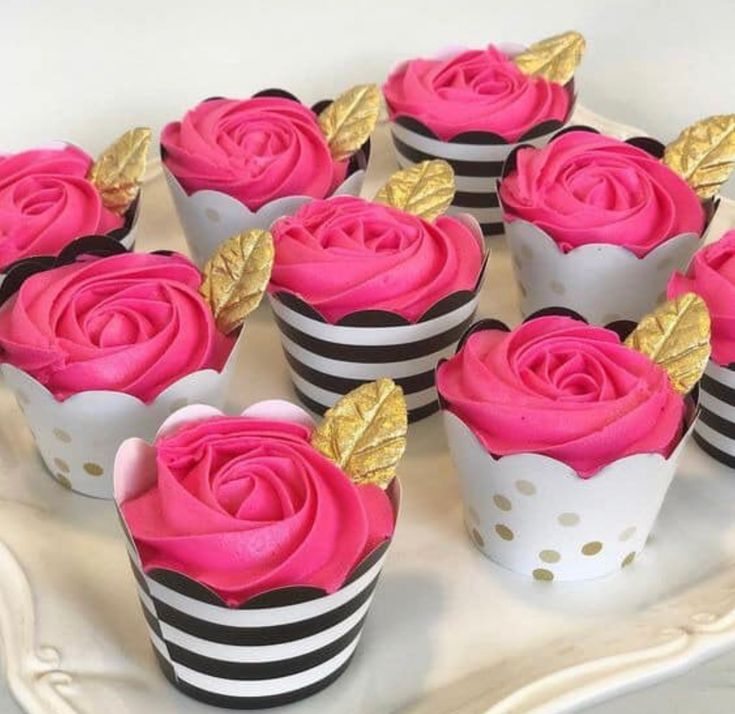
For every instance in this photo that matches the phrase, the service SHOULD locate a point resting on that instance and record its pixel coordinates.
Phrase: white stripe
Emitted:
(366, 370)
(470, 184)
(328, 399)
(723, 443)
(146, 601)
(368, 336)
(721, 374)
(265, 617)
(263, 653)
(482, 215)
(716, 406)
(264, 687)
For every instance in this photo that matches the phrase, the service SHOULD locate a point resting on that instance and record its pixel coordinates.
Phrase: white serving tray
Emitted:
(449, 631)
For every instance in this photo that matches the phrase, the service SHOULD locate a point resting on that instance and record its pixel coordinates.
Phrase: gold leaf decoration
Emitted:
(236, 276)
(350, 119)
(704, 154)
(425, 189)
(365, 432)
(118, 172)
(676, 337)
(555, 58)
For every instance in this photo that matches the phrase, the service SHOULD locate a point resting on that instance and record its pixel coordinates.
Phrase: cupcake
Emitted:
(54, 194)
(236, 164)
(712, 276)
(362, 289)
(597, 225)
(472, 107)
(256, 543)
(566, 439)
(105, 344)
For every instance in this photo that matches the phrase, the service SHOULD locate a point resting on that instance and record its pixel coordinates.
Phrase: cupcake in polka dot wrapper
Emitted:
(103, 344)
(565, 438)
(597, 225)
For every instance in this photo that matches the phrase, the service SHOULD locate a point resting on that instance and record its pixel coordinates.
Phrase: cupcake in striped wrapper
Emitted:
(366, 289)
(712, 276)
(256, 541)
(473, 107)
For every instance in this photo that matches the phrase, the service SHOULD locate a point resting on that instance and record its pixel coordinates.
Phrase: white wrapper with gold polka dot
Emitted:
(210, 217)
(78, 438)
(601, 282)
(534, 515)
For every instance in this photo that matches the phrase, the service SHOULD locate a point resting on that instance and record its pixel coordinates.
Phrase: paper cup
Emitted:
(78, 437)
(715, 428)
(536, 516)
(276, 648)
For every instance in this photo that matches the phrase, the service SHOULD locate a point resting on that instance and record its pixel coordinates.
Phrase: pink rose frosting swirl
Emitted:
(246, 505)
(711, 275)
(561, 388)
(46, 202)
(132, 323)
(255, 150)
(584, 188)
(347, 254)
(476, 90)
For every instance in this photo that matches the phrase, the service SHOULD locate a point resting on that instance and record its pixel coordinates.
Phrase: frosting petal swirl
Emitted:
(584, 188)
(132, 323)
(46, 202)
(347, 254)
(255, 150)
(561, 388)
(246, 505)
(476, 90)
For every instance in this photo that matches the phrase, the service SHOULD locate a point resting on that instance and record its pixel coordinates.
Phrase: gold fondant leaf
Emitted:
(555, 58)
(704, 154)
(236, 276)
(365, 432)
(350, 119)
(118, 172)
(425, 189)
(676, 337)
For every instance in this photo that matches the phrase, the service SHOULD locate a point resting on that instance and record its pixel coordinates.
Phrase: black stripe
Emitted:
(262, 670)
(254, 636)
(713, 451)
(139, 577)
(492, 229)
(481, 169)
(342, 385)
(720, 425)
(470, 199)
(414, 415)
(718, 389)
(221, 700)
(374, 354)
(152, 621)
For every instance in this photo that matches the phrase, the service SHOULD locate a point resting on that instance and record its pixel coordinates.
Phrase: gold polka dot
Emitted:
(527, 252)
(549, 556)
(543, 574)
(557, 287)
(22, 397)
(522, 288)
(628, 533)
(502, 502)
(478, 538)
(212, 215)
(178, 404)
(61, 465)
(592, 548)
(93, 469)
(472, 514)
(568, 519)
(61, 435)
(525, 487)
(628, 560)
(63, 481)
(611, 317)
(504, 532)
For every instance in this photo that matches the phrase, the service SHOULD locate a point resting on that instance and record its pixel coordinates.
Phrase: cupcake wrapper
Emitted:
(715, 428)
(326, 361)
(534, 515)
(78, 438)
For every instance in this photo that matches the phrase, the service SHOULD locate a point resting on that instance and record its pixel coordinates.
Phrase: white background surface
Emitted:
(87, 71)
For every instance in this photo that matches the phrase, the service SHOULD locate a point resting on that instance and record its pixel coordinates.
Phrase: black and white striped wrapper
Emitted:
(326, 361)
(715, 428)
(277, 648)
(477, 159)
